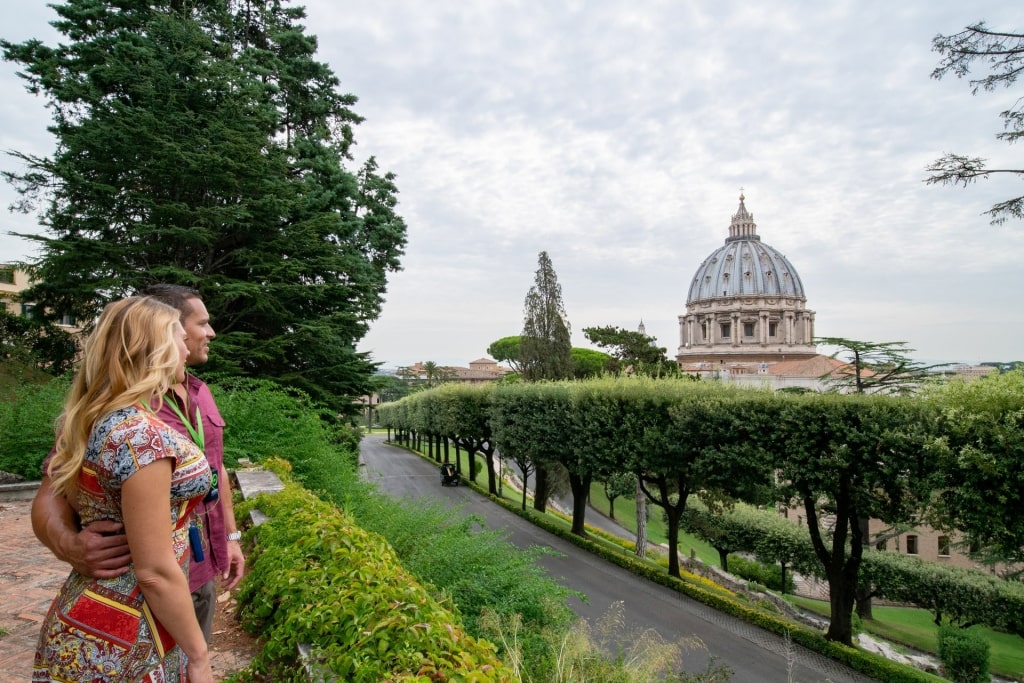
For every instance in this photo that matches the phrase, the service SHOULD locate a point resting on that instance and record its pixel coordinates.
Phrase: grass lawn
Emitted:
(625, 515)
(915, 628)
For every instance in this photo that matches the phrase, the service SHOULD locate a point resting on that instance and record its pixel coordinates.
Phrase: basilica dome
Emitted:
(746, 305)
(744, 266)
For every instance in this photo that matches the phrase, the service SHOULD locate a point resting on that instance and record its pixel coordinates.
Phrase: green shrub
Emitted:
(317, 579)
(964, 655)
(27, 426)
(265, 419)
(769, 575)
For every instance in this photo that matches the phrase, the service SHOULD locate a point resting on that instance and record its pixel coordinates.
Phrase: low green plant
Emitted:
(964, 655)
(27, 425)
(317, 579)
(581, 652)
(769, 575)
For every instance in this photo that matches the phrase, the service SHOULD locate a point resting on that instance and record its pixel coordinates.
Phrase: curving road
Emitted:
(754, 655)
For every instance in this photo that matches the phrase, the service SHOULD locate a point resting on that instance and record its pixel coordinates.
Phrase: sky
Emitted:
(618, 135)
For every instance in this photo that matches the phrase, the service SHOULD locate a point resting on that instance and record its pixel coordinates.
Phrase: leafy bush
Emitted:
(265, 419)
(964, 655)
(765, 574)
(477, 569)
(315, 578)
(27, 426)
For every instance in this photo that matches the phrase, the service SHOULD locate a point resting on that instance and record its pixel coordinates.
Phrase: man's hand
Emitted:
(100, 550)
(236, 565)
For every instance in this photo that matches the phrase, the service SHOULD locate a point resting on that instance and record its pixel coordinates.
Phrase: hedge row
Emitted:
(873, 665)
(316, 578)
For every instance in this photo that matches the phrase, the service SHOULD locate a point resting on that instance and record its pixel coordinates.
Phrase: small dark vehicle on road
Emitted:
(449, 477)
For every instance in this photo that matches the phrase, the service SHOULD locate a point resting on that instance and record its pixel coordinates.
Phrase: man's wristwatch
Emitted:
(235, 536)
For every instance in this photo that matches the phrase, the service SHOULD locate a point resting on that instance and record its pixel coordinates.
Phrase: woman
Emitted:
(116, 460)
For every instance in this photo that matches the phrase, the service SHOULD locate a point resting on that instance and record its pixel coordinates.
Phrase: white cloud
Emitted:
(616, 136)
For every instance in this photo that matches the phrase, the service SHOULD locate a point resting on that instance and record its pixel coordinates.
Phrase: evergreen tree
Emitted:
(877, 367)
(1001, 54)
(635, 352)
(201, 143)
(546, 349)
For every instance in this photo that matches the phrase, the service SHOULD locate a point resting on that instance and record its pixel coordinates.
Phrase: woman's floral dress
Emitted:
(102, 629)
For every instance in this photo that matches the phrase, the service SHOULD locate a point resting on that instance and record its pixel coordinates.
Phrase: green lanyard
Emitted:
(198, 437)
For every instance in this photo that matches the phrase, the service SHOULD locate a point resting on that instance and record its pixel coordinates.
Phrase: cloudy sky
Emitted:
(617, 134)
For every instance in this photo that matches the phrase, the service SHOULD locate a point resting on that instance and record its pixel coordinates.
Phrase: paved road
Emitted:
(754, 655)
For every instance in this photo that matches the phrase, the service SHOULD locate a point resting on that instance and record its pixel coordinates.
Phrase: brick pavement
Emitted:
(29, 579)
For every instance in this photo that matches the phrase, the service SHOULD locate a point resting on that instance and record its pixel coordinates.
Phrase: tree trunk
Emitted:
(580, 489)
(492, 475)
(641, 521)
(863, 596)
(611, 508)
(540, 489)
(841, 599)
(723, 558)
(673, 513)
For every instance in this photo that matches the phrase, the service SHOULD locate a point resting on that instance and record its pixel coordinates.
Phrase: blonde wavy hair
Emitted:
(130, 358)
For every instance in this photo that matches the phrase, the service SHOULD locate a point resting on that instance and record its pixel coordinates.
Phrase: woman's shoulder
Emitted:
(133, 425)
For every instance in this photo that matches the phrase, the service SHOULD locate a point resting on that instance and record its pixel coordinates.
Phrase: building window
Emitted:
(28, 310)
(881, 545)
(66, 320)
(911, 544)
(773, 329)
(748, 329)
(7, 276)
(943, 546)
(726, 330)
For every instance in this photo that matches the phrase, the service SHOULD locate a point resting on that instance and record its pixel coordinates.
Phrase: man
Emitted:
(101, 550)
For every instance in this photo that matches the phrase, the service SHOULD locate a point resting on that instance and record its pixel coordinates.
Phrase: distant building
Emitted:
(13, 281)
(747, 319)
(480, 371)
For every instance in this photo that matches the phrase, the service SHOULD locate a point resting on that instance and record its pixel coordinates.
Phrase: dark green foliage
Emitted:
(634, 352)
(964, 655)
(768, 575)
(851, 458)
(546, 349)
(979, 446)
(506, 350)
(39, 343)
(588, 363)
(877, 367)
(27, 426)
(202, 144)
(267, 420)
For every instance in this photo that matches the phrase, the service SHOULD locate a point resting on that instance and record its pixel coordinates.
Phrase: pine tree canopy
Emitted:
(201, 143)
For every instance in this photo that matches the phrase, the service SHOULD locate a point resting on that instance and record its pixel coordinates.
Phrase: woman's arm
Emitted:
(146, 506)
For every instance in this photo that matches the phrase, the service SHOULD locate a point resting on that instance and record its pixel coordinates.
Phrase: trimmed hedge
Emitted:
(316, 578)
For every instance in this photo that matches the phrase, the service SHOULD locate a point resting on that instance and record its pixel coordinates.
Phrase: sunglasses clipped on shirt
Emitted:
(213, 495)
